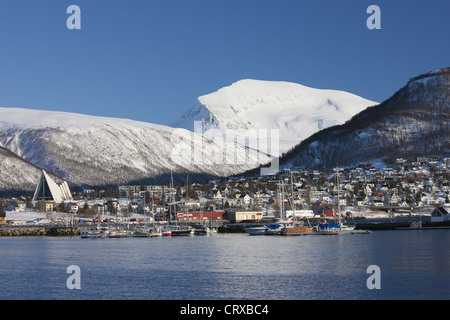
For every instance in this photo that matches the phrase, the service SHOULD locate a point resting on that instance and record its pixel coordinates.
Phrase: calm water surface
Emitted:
(414, 265)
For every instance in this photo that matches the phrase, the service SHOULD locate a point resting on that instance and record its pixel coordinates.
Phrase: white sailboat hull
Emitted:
(256, 231)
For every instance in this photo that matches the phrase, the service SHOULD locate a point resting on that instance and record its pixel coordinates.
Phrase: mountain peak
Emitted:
(295, 110)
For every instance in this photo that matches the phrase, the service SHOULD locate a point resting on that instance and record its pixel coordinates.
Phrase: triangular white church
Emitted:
(48, 190)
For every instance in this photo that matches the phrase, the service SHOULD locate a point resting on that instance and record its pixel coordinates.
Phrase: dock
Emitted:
(402, 225)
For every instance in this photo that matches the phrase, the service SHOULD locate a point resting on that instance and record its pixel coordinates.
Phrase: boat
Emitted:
(96, 231)
(296, 230)
(201, 230)
(338, 227)
(256, 231)
(182, 231)
(119, 233)
(273, 228)
(141, 234)
(276, 227)
(155, 232)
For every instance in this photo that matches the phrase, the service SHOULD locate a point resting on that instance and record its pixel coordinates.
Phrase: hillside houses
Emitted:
(404, 184)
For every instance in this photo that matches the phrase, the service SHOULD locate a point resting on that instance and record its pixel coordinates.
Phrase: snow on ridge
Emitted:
(246, 94)
(33, 119)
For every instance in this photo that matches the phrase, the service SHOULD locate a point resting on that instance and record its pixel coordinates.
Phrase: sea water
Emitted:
(413, 264)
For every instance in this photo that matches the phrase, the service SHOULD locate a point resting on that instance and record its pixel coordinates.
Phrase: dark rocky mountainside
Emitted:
(413, 122)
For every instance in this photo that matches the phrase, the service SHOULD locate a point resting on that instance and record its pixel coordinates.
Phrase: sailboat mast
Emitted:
(292, 197)
(283, 214)
(338, 195)
(172, 197)
(187, 199)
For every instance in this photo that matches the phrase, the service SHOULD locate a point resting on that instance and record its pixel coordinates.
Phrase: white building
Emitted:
(48, 190)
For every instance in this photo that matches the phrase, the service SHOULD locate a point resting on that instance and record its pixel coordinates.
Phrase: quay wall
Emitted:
(401, 225)
(39, 231)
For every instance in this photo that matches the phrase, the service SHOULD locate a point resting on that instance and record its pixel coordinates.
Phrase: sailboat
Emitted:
(339, 227)
(178, 230)
(273, 228)
(296, 228)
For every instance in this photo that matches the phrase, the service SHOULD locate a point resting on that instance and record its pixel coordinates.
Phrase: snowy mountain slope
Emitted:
(295, 110)
(90, 150)
(17, 174)
(413, 122)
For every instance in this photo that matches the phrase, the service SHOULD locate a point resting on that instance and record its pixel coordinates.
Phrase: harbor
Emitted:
(275, 227)
(414, 265)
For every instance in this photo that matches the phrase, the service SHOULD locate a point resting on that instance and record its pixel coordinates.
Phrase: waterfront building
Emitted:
(239, 216)
(439, 214)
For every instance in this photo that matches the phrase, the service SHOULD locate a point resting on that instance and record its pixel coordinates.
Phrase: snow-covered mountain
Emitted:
(88, 150)
(17, 174)
(294, 110)
(414, 122)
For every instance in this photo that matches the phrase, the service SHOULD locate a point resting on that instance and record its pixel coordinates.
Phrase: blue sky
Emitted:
(149, 60)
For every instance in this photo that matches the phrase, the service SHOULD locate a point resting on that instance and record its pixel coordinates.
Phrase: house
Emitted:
(217, 195)
(99, 208)
(378, 203)
(16, 206)
(439, 214)
(45, 206)
(359, 202)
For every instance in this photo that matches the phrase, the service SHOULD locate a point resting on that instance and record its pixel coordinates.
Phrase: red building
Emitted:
(201, 215)
(329, 213)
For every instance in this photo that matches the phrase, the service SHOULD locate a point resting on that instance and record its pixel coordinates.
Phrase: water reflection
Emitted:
(414, 265)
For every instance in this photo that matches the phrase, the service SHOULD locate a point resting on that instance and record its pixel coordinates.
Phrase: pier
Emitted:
(402, 225)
